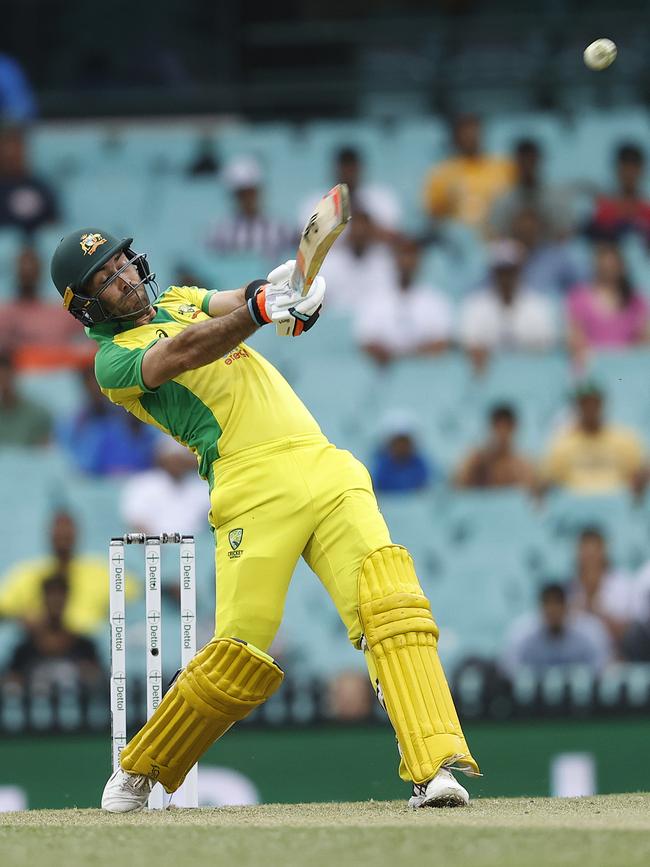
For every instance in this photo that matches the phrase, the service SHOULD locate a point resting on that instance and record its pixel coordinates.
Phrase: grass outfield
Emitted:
(604, 831)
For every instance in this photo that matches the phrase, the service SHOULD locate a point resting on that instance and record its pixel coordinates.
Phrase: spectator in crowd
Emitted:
(553, 637)
(551, 204)
(598, 588)
(350, 697)
(204, 161)
(626, 209)
(378, 200)
(249, 229)
(548, 266)
(465, 186)
(17, 102)
(399, 466)
(635, 641)
(171, 495)
(51, 652)
(410, 318)
(36, 331)
(358, 267)
(86, 609)
(606, 313)
(22, 422)
(506, 314)
(26, 201)
(497, 463)
(102, 439)
(592, 456)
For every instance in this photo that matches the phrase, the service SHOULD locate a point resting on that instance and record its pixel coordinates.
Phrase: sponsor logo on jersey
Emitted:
(90, 242)
(235, 537)
(240, 352)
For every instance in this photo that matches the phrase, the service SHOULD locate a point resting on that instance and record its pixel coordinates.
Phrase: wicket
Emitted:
(187, 795)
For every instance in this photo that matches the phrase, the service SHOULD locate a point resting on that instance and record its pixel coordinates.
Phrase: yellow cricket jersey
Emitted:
(234, 403)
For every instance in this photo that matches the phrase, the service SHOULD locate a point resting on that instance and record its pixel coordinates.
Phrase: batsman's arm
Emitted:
(197, 345)
(222, 303)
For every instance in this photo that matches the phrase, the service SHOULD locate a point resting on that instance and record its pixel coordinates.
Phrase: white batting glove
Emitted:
(275, 301)
(297, 315)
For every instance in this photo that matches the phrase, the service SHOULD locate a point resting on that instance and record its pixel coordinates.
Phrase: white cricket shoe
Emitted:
(443, 790)
(126, 793)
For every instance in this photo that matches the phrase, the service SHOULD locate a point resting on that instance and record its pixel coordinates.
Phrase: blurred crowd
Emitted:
(535, 296)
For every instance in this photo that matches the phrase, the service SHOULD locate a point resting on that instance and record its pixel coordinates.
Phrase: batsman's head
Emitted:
(100, 278)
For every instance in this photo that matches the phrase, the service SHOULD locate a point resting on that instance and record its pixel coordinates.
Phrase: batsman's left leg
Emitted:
(375, 588)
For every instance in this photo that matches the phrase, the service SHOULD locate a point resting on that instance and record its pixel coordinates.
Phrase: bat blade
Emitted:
(322, 229)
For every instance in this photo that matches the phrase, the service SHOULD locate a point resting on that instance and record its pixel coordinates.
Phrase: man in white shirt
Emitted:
(505, 314)
(357, 268)
(380, 202)
(170, 497)
(410, 318)
(249, 229)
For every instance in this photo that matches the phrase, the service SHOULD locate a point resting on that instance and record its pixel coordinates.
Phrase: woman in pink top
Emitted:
(606, 313)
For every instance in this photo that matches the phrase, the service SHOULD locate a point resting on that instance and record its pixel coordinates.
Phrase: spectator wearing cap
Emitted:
(171, 495)
(379, 201)
(26, 201)
(398, 465)
(38, 333)
(410, 317)
(626, 209)
(22, 422)
(606, 313)
(592, 456)
(598, 588)
(358, 267)
(497, 463)
(554, 638)
(465, 186)
(551, 204)
(506, 314)
(249, 229)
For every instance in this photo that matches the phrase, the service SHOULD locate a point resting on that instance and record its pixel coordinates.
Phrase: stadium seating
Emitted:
(481, 557)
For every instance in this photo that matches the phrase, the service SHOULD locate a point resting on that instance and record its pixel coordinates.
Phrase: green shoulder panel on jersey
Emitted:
(119, 370)
(188, 419)
(194, 295)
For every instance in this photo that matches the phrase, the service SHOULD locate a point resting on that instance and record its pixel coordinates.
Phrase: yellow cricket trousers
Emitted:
(270, 505)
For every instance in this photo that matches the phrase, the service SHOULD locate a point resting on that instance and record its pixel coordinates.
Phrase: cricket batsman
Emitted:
(278, 490)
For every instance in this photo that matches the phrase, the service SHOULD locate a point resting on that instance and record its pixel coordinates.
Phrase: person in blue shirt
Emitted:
(398, 465)
(104, 440)
(17, 102)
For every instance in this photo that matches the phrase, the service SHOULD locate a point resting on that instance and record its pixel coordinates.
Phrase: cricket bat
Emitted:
(323, 228)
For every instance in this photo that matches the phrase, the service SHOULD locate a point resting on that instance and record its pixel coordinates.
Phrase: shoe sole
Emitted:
(441, 801)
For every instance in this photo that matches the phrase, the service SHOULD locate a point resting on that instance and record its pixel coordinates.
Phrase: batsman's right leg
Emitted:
(224, 682)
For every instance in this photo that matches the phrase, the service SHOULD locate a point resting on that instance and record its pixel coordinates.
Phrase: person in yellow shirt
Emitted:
(86, 609)
(465, 186)
(278, 490)
(594, 457)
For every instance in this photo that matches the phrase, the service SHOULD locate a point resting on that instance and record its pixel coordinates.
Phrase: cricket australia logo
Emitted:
(90, 242)
(188, 310)
(235, 537)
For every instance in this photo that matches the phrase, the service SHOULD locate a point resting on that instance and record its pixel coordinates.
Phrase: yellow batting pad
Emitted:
(402, 639)
(224, 682)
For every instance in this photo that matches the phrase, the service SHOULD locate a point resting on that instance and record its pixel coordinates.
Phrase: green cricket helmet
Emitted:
(82, 254)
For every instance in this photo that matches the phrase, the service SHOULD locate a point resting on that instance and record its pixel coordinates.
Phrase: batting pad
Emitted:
(222, 684)
(402, 638)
